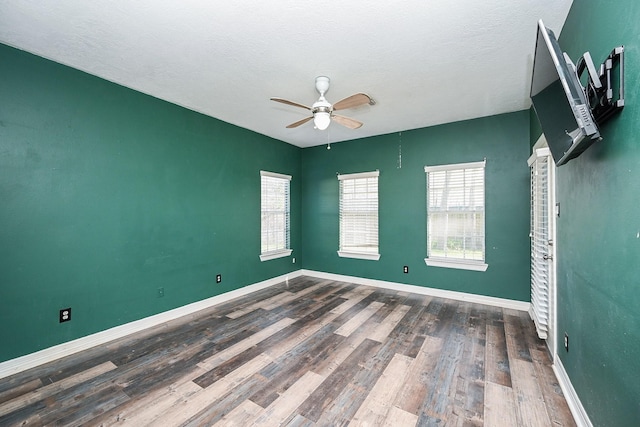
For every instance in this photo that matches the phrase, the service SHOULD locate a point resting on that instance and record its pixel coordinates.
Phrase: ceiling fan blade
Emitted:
(299, 122)
(352, 101)
(347, 121)
(295, 104)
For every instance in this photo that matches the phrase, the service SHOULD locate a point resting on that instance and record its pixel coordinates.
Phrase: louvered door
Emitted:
(542, 249)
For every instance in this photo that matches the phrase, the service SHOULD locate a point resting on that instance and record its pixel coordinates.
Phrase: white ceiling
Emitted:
(425, 62)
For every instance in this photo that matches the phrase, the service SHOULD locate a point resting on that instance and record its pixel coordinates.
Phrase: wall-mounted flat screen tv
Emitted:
(559, 100)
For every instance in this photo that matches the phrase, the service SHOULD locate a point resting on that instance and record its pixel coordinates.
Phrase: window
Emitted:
(274, 206)
(359, 215)
(455, 216)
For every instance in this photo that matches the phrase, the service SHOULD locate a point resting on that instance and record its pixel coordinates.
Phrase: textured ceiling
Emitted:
(424, 62)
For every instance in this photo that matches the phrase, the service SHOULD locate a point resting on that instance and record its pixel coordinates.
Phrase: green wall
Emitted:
(107, 194)
(599, 230)
(503, 140)
(535, 128)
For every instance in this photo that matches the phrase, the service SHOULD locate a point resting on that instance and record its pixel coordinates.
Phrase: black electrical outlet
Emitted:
(218, 278)
(405, 269)
(65, 315)
(566, 341)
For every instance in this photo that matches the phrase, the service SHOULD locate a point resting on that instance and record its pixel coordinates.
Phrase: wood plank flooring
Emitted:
(309, 352)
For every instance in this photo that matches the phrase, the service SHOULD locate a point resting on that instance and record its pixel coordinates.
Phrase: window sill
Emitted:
(359, 255)
(273, 255)
(461, 264)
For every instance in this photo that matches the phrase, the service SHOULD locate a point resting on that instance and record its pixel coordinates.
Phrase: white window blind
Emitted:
(275, 221)
(359, 215)
(455, 216)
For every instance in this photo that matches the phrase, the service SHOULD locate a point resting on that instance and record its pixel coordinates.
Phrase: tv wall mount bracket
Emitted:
(601, 84)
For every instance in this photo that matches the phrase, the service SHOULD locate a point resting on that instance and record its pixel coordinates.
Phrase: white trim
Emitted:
(359, 255)
(422, 290)
(537, 153)
(276, 254)
(358, 175)
(575, 406)
(275, 175)
(459, 264)
(470, 165)
(19, 364)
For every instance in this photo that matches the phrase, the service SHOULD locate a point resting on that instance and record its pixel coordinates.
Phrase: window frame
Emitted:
(286, 227)
(347, 251)
(452, 261)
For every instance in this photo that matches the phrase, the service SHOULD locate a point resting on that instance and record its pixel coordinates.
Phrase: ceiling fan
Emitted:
(322, 110)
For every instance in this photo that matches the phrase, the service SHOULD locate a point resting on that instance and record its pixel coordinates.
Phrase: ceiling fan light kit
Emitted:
(321, 120)
(322, 110)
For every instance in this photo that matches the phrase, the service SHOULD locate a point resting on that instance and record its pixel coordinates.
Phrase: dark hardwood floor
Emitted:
(309, 352)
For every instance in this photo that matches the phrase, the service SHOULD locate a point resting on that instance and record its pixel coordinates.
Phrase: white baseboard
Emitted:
(575, 406)
(19, 364)
(459, 296)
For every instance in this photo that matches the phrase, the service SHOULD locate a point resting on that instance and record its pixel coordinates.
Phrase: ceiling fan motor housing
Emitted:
(322, 105)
